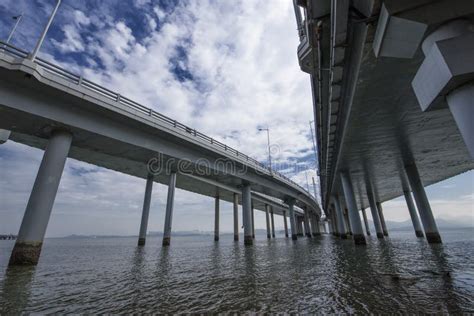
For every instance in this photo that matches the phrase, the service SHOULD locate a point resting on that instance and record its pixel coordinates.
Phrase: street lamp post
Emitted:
(268, 142)
(43, 35)
(18, 19)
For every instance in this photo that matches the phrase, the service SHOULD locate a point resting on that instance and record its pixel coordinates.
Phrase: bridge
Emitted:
(393, 88)
(45, 106)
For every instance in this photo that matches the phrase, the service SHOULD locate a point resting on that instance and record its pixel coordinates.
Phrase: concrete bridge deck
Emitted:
(114, 132)
(47, 107)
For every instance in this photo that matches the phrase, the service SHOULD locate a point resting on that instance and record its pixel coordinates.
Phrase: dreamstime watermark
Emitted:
(239, 167)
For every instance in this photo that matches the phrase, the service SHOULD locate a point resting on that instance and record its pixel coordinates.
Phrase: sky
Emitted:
(225, 68)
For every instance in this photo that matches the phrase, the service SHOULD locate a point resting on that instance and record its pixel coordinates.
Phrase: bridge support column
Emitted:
(424, 208)
(272, 217)
(253, 222)
(236, 217)
(347, 221)
(247, 214)
(267, 216)
(414, 216)
(307, 229)
(169, 210)
(216, 218)
(285, 224)
(316, 228)
(294, 233)
(366, 222)
(4, 136)
(146, 210)
(28, 245)
(382, 218)
(374, 211)
(300, 226)
(354, 218)
(341, 227)
(333, 223)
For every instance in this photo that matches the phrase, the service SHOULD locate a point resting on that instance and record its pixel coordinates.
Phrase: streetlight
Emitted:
(268, 140)
(18, 19)
(43, 35)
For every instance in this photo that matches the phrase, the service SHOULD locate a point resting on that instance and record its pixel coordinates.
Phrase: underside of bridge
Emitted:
(392, 87)
(363, 57)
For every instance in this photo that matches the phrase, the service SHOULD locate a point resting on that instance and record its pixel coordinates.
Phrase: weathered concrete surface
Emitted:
(25, 253)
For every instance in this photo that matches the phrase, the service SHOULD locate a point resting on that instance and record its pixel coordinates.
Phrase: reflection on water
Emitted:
(195, 274)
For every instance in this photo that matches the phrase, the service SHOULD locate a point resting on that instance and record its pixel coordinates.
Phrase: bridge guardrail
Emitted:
(114, 96)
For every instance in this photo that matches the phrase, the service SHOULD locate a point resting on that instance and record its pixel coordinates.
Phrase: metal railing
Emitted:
(114, 96)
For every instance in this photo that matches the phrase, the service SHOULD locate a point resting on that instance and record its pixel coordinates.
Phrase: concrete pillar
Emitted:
(461, 104)
(216, 218)
(267, 216)
(146, 210)
(294, 234)
(374, 211)
(236, 217)
(316, 228)
(366, 222)
(273, 221)
(354, 218)
(253, 222)
(285, 223)
(28, 245)
(382, 218)
(341, 227)
(414, 216)
(247, 214)
(333, 224)
(4, 135)
(423, 205)
(347, 222)
(300, 226)
(169, 210)
(307, 229)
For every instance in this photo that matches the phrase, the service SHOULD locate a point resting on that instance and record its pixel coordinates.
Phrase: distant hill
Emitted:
(442, 224)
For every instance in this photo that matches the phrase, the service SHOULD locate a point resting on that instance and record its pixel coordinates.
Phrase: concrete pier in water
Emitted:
(413, 214)
(354, 218)
(236, 216)
(272, 221)
(146, 210)
(247, 214)
(423, 205)
(382, 218)
(216, 218)
(29, 242)
(169, 210)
